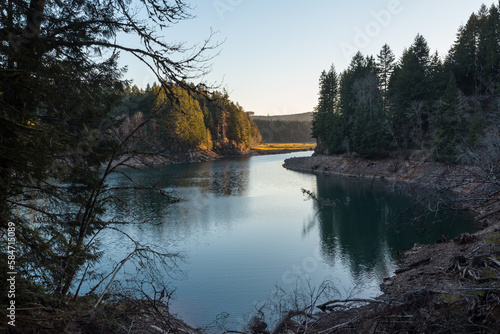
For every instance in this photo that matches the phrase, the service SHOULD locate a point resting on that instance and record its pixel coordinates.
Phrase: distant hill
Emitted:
(285, 128)
(303, 117)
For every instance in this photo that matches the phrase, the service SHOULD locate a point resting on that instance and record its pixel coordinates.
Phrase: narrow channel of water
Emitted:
(249, 235)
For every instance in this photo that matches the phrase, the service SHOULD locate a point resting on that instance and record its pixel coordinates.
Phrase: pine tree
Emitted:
(323, 127)
(421, 50)
(438, 77)
(367, 130)
(410, 85)
(385, 66)
(182, 122)
(357, 69)
(489, 52)
(450, 125)
(230, 127)
(463, 57)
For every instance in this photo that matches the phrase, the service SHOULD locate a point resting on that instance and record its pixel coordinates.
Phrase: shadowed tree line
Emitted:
(448, 106)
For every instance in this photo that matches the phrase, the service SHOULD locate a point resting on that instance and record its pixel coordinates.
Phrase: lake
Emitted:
(250, 239)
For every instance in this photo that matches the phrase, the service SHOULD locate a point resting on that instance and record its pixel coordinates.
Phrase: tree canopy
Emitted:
(419, 101)
(186, 119)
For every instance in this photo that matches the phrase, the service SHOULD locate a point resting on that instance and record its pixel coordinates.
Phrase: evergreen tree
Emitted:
(367, 131)
(239, 132)
(476, 129)
(450, 125)
(177, 126)
(474, 58)
(354, 121)
(463, 57)
(410, 85)
(230, 127)
(357, 70)
(182, 125)
(488, 50)
(385, 66)
(438, 77)
(421, 50)
(323, 128)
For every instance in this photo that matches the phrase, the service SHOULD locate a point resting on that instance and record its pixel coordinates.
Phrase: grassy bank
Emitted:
(274, 148)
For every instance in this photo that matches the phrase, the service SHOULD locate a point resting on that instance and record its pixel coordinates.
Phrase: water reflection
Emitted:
(226, 177)
(244, 228)
(197, 184)
(371, 221)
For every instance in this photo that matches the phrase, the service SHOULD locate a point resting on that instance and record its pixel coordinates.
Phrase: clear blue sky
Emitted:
(274, 51)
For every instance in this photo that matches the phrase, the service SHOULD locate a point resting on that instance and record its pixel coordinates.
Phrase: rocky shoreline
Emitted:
(194, 156)
(451, 286)
(155, 159)
(419, 173)
(465, 182)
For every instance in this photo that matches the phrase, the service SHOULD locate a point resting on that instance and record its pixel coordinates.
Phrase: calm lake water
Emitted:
(250, 237)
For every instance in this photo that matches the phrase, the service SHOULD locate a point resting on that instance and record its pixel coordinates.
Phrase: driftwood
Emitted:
(321, 201)
(331, 304)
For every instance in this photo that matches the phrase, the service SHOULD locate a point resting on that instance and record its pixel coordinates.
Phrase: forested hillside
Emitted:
(186, 120)
(277, 131)
(448, 106)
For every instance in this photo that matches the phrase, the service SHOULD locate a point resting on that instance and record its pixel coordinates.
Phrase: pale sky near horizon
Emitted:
(274, 51)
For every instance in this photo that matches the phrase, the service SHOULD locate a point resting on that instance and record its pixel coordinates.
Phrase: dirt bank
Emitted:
(411, 172)
(466, 182)
(452, 286)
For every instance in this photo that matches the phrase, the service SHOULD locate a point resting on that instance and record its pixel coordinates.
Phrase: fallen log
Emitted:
(330, 303)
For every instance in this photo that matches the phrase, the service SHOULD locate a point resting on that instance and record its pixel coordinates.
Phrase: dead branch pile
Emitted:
(449, 287)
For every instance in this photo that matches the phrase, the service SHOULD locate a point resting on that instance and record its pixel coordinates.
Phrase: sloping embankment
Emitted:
(467, 182)
(413, 172)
